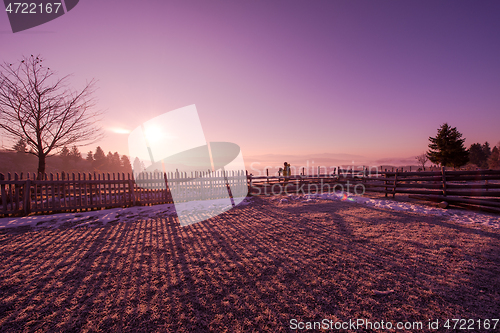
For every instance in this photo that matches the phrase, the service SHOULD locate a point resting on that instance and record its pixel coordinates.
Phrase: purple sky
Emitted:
(368, 78)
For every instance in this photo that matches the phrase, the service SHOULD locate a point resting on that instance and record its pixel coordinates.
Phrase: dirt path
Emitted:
(254, 268)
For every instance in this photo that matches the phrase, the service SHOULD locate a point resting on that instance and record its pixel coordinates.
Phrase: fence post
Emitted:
(131, 190)
(395, 184)
(4, 194)
(443, 173)
(27, 196)
(15, 199)
(166, 198)
(385, 182)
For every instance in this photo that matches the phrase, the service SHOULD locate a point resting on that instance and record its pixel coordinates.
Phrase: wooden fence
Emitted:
(81, 192)
(480, 189)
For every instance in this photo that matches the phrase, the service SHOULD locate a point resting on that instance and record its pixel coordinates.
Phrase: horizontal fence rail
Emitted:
(479, 188)
(89, 191)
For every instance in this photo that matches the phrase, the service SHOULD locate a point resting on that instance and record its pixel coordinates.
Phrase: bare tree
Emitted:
(422, 159)
(41, 109)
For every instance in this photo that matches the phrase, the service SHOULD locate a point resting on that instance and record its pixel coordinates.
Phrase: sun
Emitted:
(154, 134)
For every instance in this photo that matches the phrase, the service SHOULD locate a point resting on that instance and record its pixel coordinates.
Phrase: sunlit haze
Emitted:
(366, 80)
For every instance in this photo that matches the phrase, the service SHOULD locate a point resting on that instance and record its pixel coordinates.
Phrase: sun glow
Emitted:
(154, 134)
(119, 130)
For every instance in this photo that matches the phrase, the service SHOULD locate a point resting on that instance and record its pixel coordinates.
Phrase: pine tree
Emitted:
(109, 160)
(479, 154)
(65, 157)
(64, 153)
(90, 157)
(138, 166)
(21, 157)
(447, 148)
(20, 146)
(75, 154)
(117, 161)
(476, 154)
(99, 158)
(487, 153)
(113, 161)
(126, 166)
(494, 159)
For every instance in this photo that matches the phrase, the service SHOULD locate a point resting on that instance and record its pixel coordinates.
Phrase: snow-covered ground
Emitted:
(102, 217)
(452, 214)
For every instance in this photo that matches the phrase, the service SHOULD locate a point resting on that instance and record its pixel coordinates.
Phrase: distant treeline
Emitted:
(483, 157)
(18, 159)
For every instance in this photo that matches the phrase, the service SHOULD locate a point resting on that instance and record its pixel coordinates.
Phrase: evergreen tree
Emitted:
(65, 157)
(117, 161)
(447, 148)
(99, 158)
(476, 155)
(75, 154)
(138, 166)
(21, 157)
(90, 157)
(494, 159)
(20, 146)
(109, 161)
(64, 153)
(487, 152)
(113, 162)
(126, 166)
(479, 154)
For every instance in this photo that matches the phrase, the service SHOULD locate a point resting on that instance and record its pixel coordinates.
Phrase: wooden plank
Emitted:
(474, 201)
(443, 172)
(395, 184)
(4, 194)
(474, 172)
(471, 178)
(16, 198)
(474, 193)
(27, 197)
(473, 186)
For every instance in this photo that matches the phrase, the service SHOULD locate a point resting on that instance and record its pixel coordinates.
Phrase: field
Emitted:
(256, 268)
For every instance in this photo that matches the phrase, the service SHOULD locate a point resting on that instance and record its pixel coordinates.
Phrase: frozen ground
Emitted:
(102, 217)
(457, 215)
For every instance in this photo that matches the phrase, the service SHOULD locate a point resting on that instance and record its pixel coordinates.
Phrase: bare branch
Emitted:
(42, 110)
(422, 159)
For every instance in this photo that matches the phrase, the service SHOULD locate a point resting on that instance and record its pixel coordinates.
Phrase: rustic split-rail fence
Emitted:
(472, 189)
(26, 194)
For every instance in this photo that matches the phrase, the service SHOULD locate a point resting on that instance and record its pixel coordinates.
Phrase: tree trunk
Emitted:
(41, 164)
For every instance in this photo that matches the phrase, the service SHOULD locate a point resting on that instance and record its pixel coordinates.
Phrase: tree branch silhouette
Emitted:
(42, 110)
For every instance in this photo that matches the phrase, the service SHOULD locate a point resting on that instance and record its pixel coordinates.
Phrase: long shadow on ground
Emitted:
(254, 268)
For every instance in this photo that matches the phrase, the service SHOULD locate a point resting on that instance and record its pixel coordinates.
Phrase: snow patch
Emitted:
(103, 217)
(452, 214)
